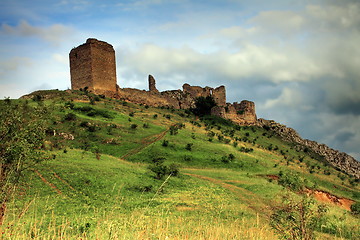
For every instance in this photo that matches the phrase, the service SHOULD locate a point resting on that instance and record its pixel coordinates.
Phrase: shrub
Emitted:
(145, 125)
(162, 170)
(225, 159)
(155, 116)
(188, 158)
(70, 117)
(173, 169)
(291, 180)
(203, 105)
(91, 128)
(189, 146)
(84, 124)
(69, 105)
(133, 126)
(165, 143)
(355, 208)
(173, 130)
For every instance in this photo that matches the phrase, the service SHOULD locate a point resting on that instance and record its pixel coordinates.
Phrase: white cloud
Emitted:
(288, 22)
(13, 64)
(289, 97)
(53, 34)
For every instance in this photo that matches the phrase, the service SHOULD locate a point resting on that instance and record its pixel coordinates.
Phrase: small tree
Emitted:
(297, 220)
(203, 105)
(22, 134)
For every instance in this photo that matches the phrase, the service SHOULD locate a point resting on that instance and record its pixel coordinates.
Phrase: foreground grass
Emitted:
(81, 197)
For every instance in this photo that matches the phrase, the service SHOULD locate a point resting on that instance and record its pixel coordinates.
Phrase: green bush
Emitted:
(355, 208)
(70, 117)
(162, 170)
(189, 146)
(291, 180)
(165, 143)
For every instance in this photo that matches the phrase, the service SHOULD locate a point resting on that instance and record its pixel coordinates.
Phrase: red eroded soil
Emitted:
(326, 197)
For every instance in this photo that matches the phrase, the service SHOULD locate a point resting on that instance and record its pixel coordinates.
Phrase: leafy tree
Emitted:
(22, 134)
(203, 106)
(297, 220)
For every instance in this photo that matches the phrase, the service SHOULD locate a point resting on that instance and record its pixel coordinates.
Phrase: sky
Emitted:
(299, 61)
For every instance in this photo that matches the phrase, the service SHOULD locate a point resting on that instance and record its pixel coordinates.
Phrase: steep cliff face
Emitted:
(338, 159)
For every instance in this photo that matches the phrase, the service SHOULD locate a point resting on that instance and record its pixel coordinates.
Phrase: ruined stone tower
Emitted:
(92, 65)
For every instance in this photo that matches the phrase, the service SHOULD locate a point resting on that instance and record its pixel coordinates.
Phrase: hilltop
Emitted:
(123, 170)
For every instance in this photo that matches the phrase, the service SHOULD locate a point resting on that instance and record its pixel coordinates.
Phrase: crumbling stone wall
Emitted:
(92, 65)
(219, 95)
(242, 113)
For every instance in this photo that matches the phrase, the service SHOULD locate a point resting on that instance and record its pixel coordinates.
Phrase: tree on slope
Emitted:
(22, 134)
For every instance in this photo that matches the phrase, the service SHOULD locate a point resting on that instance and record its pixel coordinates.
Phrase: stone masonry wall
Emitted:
(219, 95)
(92, 65)
(241, 113)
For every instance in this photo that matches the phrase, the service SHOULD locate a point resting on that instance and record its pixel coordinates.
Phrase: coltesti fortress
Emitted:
(92, 65)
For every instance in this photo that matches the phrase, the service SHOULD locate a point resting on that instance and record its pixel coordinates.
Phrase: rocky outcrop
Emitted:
(337, 159)
(152, 84)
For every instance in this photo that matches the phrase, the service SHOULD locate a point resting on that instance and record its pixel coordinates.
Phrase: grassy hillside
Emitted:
(126, 171)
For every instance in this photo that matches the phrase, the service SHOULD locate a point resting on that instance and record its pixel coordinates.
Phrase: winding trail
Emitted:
(47, 182)
(250, 199)
(145, 142)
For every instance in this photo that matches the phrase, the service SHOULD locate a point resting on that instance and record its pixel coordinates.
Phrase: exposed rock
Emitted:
(67, 136)
(338, 159)
(152, 84)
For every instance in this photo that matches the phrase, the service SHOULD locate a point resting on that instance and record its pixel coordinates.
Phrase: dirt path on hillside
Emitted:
(146, 142)
(64, 181)
(252, 200)
(47, 182)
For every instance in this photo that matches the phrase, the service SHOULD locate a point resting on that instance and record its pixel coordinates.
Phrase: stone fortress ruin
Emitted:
(92, 66)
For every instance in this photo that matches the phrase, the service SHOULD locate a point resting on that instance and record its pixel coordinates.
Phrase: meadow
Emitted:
(128, 171)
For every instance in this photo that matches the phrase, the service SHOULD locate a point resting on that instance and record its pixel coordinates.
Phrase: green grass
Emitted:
(99, 186)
